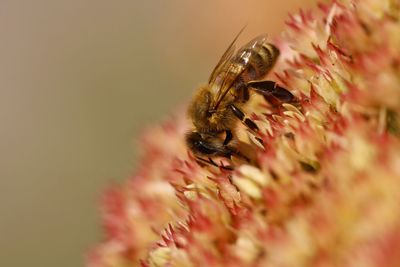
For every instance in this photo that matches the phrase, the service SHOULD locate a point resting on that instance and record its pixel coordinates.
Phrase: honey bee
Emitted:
(216, 108)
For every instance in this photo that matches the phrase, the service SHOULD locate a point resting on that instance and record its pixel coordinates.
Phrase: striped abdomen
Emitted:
(255, 59)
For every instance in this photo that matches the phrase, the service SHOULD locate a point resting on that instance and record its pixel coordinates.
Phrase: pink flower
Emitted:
(325, 189)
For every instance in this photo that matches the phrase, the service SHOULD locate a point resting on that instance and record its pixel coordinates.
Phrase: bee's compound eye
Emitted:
(198, 145)
(204, 147)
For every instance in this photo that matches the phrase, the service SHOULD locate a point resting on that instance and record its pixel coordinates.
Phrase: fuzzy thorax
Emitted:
(207, 120)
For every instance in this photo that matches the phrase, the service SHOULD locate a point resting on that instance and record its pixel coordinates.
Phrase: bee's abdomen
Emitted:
(257, 60)
(268, 54)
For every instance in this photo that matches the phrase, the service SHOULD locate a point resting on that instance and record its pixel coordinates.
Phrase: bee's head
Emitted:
(206, 145)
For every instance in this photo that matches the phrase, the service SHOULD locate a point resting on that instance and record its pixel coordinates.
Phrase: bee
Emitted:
(216, 108)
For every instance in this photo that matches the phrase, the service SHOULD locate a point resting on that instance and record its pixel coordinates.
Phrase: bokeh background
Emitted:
(79, 80)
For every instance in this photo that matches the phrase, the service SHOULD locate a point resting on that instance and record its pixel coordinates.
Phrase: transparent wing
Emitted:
(221, 71)
(225, 84)
(229, 71)
(224, 59)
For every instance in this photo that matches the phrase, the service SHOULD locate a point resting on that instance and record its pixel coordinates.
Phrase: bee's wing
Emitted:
(224, 59)
(225, 84)
(227, 68)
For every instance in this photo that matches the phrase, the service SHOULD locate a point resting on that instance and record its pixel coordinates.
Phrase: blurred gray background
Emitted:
(79, 79)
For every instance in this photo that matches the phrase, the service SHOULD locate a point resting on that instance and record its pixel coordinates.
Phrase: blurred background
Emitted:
(79, 80)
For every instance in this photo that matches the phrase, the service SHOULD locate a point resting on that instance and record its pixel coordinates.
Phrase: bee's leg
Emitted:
(243, 92)
(239, 154)
(222, 166)
(212, 162)
(228, 137)
(246, 121)
(272, 92)
(209, 161)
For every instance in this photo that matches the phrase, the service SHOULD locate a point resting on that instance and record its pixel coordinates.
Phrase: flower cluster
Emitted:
(325, 187)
